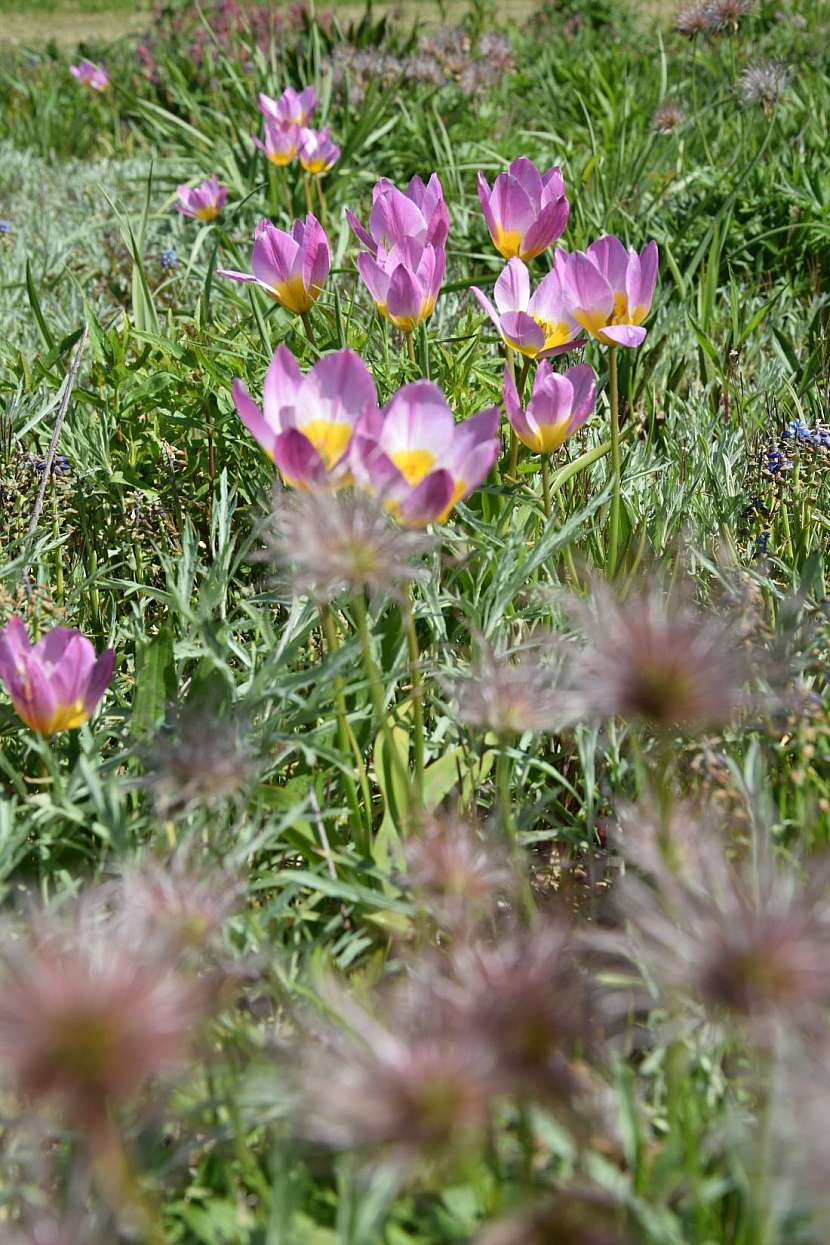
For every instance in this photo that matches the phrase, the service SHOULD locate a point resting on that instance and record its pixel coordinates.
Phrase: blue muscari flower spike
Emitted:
(5, 226)
(169, 259)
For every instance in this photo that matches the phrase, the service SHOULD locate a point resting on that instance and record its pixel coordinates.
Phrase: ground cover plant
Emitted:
(413, 483)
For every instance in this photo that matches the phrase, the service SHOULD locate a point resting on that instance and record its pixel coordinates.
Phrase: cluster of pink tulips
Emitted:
(327, 428)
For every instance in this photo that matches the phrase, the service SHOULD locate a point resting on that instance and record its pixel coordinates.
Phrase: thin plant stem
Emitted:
(307, 187)
(376, 689)
(614, 526)
(410, 347)
(305, 316)
(417, 697)
(348, 743)
(546, 485)
(322, 200)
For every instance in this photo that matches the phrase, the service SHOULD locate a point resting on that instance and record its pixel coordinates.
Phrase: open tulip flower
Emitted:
(559, 404)
(291, 267)
(414, 456)
(537, 325)
(419, 213)
(55, 684)
(281, 143)
(292, 107)
(318, 154)
(526, 211)
(202, 202)
(90, 75)
(306, 423)
(404, 282)
(609, 290)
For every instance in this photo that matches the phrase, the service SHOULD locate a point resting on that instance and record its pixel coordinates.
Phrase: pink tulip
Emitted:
(414, 456)
(526, 211)
(609, 290)
(404, 282)
(291, 267)
(538, 326)
(281, 143)
(306, 423)
(292, 107)
(202, 202)
(90, 75)
(55, 684)
(317, 152)
(419, 213)
(559, 404)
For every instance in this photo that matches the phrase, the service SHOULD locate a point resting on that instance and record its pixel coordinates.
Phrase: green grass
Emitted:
(151, 542)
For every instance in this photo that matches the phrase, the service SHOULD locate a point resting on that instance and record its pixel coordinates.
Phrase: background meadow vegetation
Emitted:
(658, 1112)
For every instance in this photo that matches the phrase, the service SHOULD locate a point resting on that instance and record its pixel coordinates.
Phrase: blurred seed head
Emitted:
(328, 543)
(456, 873)
(405, 1092)
(88, 1015)
(652, 660)
(199, 761)
(175, 907)
(764, 84)
(692, 19)
(745, 939)
(509, 693)
(576, 1216)
(667, 118)
(727, 14)
(526, 1001)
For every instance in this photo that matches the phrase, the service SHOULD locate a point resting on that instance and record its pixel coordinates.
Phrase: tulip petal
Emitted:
(363, 237)
(339, 387)
(549, 225)
(623, 335)
(99, 679)
(297, 459)
(522, 332)
(252, 417)
(429, 500)
(512, 289)
(280, 389)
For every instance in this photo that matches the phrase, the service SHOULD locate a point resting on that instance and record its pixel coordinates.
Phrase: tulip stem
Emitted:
(397, 766)
(348, 743)
(321, 196)
(614, 527)
(309, 331)
(410, 347)
(546, 485)
(307, 187)
(417, 697)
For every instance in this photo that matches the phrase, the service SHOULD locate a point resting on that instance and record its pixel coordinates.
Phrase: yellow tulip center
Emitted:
(329, 439)
(508, 242)
(294, 296)
(207, 213)
(64, 718)
(413, 464)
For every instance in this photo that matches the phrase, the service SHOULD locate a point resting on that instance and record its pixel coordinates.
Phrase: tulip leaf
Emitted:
(155, 683)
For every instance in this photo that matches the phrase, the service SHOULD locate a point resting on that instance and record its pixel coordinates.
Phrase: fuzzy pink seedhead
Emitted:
(317, 153)
(203, 202)
(88, 1016)
(291, 267)
(404, 282)
(56, 683)
(526, 211)
(419, 213)
(281, 143)
(609, 290)
(307, 422)
(292, 107)
(560, 403)
(90, 75)
(538, 325)
(416, 458)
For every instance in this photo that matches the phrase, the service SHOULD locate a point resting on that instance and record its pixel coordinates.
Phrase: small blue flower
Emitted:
(5, 226)
(169, 259)
(761, 543)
